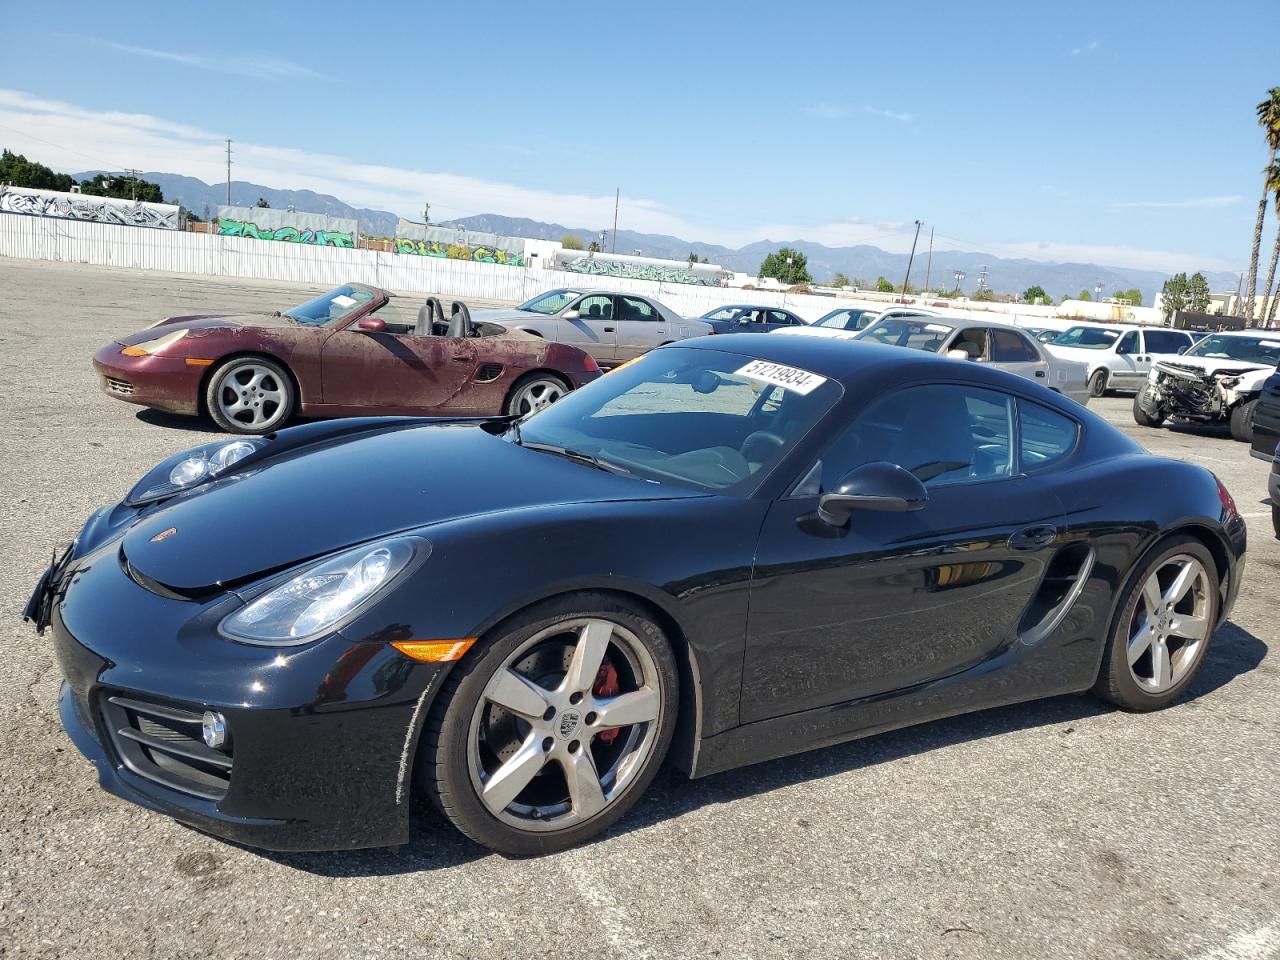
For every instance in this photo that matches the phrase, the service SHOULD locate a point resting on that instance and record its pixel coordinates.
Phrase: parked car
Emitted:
(784, 543)
(1043, 334)
(842, 323)
(1266, 440)
(351, 352)
(1117, 357)
(1219, 380)
(962, 338)
(612, 327)
(748, 318)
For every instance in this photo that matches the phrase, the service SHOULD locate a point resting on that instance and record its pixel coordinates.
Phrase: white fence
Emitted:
(40, 238)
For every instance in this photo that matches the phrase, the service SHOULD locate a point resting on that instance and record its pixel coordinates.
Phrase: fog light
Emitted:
(215, 729)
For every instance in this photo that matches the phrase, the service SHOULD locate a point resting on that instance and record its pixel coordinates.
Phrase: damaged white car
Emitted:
(1216, 381)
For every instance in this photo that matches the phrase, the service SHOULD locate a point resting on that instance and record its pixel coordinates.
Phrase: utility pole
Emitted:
(426, 214)
(617, 195)
(133, 183)
(982, 277)
(929, 265)
(907, 279)
(228, 173)
(959, 276)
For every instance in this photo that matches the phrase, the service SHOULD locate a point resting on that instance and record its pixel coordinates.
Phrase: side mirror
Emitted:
(879, 485)
(571, 315)
(958, 354)
(371, 325)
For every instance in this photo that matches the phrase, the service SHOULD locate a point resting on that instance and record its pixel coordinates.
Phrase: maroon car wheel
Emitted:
(535, 392)
(250, 395)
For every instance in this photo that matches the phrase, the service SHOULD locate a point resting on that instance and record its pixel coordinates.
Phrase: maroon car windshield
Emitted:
(331, 307)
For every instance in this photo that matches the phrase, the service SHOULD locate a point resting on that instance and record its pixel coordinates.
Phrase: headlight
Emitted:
(189, 468)
(1229, 382)
(318, 599)
(148, 347)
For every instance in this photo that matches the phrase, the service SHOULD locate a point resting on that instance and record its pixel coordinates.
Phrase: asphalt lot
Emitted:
(1057, 829)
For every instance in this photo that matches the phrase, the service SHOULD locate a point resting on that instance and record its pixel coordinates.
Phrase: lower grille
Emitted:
(119, 386)
(162, 742)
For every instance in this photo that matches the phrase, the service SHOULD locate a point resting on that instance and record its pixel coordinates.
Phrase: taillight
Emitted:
(1228, 503)
(589, 363)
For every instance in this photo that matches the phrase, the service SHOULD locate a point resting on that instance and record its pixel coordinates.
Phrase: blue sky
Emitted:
(1121, 133)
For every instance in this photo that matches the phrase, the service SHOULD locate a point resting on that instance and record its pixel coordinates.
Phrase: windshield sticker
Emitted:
(788, 378)
(343, 301)
(936, 327)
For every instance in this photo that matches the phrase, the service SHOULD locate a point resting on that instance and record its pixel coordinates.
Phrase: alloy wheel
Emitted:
(565, 725)
(1170, 624)
(251, 395)
(536, 395)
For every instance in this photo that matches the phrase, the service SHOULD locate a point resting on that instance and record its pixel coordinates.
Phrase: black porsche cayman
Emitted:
(730, 550)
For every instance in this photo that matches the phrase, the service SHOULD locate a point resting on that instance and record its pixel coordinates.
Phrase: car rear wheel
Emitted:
(1098, 383)
(535, 392)
(250, 395)
(554, 728)
(1162, 630)
(1242, 421)
(1140, 415)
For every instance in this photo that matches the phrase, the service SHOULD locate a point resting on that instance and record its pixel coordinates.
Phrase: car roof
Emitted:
(1255, 333)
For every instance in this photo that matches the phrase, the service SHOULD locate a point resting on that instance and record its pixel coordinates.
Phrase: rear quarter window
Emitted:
(1046, 435)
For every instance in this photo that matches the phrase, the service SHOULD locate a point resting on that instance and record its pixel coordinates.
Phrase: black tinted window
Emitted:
(1012, 347)
(1165, 341)
(943, 433)
(1128, 343)
(1046, 435)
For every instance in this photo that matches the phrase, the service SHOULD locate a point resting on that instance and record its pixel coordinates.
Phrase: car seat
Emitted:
(429, 315)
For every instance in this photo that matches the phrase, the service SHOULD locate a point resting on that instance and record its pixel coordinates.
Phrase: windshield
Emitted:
(331, 307)
(722, 313)
(916, 333)
(1087, 338)
(553, 301)
(700, 418)
(1246, 349)
(851, 319)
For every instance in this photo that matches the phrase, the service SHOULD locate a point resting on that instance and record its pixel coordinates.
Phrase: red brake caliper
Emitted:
(606, 685)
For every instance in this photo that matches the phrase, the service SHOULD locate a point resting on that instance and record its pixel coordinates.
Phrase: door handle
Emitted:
(1029, 538)
(462, 359)
(608, 329)
(1040, 373)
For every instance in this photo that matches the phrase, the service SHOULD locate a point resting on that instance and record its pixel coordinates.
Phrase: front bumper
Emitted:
(163, 383)
(323, 736)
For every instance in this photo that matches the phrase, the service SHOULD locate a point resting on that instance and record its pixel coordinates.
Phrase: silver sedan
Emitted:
(612, 327)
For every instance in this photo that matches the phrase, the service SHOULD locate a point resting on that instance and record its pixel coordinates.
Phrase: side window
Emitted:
(597, 307)
(1009, 346)
(1165, 341)
(780, 316)
(973, 342)
(1046, 435)
(1128, 343)
(943, 433)
(633, 308)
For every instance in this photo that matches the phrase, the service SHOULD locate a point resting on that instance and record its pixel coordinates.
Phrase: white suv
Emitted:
(1117, 357)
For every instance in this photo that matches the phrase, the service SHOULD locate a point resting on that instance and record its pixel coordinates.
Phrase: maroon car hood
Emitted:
(206, 323)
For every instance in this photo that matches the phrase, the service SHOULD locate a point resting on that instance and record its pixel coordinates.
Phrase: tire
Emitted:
(1098, 383)
(1242, 421)
(266, 395)
(1140, 416)
(533, 392)
(1154, 681)
(471, 737)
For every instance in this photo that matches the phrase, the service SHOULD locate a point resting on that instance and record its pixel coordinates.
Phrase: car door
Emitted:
(641, 327)
(1010, 350)
(1127, 370)
(1266, 419)
(898, 599)
(393, 372)
(590, 325)
(777, 319)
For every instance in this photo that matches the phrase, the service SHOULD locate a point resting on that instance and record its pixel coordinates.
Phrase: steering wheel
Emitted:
(760, 445)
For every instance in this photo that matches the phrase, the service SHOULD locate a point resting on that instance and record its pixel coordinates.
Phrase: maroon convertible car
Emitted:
(354, 351)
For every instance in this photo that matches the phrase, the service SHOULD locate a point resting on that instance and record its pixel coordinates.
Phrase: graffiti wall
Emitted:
(419, 239)
(82, 206)
(638, 268)
(264, 223)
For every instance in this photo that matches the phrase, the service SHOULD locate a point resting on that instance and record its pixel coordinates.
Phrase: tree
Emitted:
(839, 280)
(705, 260)
(693, 257)
(1133, 295)
(1084, 295)
(262, 204)
(884, 286)
(1034, 293)
(787, 266)
(1269, 119)
(571, 241)
(1198, 298)
(1268, 297)
(1173, 295)
(21, 172)
(594, 246)
(122, 187)
(983, 294)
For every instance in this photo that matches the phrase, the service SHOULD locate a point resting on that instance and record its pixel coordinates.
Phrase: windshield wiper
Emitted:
(578, 456)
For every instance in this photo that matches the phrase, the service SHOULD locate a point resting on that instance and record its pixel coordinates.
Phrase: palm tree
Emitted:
(1269, 304)
(1269, 119)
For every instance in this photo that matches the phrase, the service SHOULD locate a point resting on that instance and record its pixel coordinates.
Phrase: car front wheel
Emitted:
(1140, 415)
(1242, 421)
(250, 395)
(549, 733)
(533, 393)
(1098, 383)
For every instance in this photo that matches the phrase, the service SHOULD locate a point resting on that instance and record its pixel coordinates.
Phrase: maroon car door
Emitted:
(388, 372)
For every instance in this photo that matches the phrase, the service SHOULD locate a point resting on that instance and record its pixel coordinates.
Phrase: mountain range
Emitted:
(858, 262)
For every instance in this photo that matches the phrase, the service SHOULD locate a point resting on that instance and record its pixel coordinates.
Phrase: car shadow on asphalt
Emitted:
(176, 421)
(435, 845)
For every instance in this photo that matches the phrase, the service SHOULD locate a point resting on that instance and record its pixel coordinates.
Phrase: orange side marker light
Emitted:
(434, 651)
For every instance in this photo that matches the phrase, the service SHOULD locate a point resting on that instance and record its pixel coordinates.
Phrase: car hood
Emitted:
(1208, 365)
(322, 498)
(202, 325)
(1081, 354)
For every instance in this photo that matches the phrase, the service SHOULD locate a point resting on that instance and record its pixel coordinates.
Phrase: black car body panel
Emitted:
(790, 634)
(1266, 419)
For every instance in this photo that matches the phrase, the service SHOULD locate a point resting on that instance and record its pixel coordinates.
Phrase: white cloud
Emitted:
(71, 138)
(891, 114)
(1085, 48)
(257, 66)
(1193, 203)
